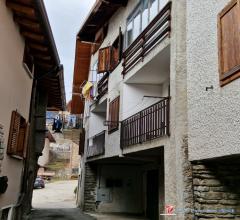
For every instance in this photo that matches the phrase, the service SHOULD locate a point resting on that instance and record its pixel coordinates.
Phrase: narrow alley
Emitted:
(59, 214)
(119, 109)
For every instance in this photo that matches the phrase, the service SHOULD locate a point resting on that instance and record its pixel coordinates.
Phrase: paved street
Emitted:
(58, 194)
(59, 214)
(56, 201)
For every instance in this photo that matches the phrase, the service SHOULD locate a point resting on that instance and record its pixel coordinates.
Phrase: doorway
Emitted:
(152, 203)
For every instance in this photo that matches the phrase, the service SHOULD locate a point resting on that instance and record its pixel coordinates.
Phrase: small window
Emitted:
(28, 61)
(114, 115)
(109, 57)
(18, 136)
(99, 38)
(116, 54)
(141, 16)
(229, 42)
(95, 75)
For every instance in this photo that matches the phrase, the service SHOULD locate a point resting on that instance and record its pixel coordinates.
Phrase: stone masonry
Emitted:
(90, 188)
(216, 189)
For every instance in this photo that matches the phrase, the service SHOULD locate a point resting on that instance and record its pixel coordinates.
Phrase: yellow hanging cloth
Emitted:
(86, 90)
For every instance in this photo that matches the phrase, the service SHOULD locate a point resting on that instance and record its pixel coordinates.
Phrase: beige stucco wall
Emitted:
(214, 115)
(15, 93)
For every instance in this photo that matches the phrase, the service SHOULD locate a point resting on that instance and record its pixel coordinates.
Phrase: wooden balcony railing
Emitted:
(154, 33)
(146, 125)
(98, 145)
(102, 86)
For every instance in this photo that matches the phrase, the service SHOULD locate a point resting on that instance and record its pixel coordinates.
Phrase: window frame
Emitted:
(234, 72)
(130, 18)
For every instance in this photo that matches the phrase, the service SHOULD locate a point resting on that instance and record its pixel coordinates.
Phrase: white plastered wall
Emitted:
(213, 115)
(15, 94)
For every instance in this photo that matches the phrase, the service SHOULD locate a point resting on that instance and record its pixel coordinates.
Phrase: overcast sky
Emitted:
(66, 18)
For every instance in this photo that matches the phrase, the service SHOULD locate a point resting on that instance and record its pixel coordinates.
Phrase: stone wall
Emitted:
(216, 189)
(90, 188)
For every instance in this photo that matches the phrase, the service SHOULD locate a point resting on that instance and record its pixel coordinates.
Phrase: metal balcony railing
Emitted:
(146, 125)
(158, 29)
(98, 145)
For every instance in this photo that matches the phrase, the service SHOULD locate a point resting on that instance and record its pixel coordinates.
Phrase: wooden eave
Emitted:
(100, 14)
(32, 19)
(81, 71)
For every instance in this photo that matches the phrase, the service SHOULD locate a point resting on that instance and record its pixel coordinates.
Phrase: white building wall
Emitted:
(213, 115)
(173, 145)
(15, 93)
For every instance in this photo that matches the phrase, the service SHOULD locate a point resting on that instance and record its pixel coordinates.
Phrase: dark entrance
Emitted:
(152, 209)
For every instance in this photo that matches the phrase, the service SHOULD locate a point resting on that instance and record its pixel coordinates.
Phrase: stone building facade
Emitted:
(193, 161)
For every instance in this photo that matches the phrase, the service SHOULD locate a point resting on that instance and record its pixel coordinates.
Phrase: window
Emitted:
(18, 136)
(116, 54)
(99, 38)
(95, 75)
(141, 17)
(109, 57)
(28, 61)
(113, 117)
(229, 42)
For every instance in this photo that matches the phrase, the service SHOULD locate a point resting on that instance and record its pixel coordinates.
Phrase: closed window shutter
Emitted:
(229, 42)
(18, 136)
(13, 133)
(104, 59)
(22, 140)
(114, 115)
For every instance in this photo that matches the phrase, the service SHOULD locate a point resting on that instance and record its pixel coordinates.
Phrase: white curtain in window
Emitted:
(145, 14)
(153, 9)
(162, 3)
(137, 26)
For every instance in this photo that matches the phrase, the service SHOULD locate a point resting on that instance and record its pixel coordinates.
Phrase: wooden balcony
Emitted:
(98, 145)
(157, 30)
(102, 86)
(146, 125)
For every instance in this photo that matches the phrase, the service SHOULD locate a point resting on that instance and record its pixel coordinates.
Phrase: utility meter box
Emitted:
(104, 195)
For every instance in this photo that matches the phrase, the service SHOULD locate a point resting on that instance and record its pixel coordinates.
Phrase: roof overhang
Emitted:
(31, 16)
(81, 71)
(100, 14)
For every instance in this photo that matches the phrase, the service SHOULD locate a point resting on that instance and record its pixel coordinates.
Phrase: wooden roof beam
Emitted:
(26, 23)
(20, 9)
(42, 57)
(36, 37)
(25, 2)
(38, 47)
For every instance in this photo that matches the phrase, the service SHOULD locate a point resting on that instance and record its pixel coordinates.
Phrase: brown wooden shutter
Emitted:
(114, 115)
(104, 59)
(18, 136)
(116, 53)
(229, 42)
(13, 133)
